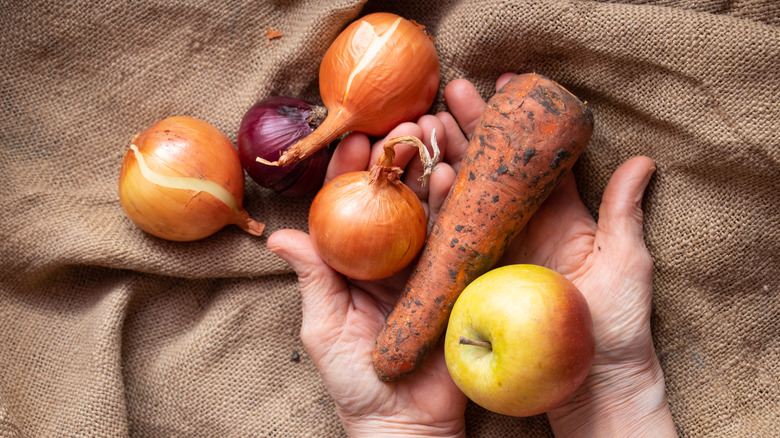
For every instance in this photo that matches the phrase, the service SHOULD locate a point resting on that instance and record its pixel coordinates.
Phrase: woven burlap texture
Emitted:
(106, 331)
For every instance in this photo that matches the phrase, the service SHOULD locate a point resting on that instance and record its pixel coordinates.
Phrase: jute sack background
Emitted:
(106, 331)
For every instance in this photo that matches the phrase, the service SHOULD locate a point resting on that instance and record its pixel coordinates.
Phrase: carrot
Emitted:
(529, 135)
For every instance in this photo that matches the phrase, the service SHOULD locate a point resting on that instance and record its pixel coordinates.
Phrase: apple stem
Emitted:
(467, 341)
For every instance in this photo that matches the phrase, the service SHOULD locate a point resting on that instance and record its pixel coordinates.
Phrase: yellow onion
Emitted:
(382, 70)
(182, 180)
(369, 225)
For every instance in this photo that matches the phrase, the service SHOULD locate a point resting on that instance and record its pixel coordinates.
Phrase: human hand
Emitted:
(342, 317)
(607, 260)
(624, 393)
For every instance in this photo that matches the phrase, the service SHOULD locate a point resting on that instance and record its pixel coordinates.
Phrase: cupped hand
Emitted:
(609, 263)
(342, 317)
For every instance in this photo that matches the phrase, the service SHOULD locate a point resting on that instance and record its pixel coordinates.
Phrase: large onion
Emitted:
(368, 225)
(268, 128)
(181, 180)
(382, 70)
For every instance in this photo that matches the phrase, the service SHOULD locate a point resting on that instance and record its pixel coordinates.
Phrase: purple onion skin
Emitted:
(268, 128)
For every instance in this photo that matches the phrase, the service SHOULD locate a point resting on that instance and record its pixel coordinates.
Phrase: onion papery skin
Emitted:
(398, 84)
(382, 70)
(189, 152)
(270, 127)
(367, 230)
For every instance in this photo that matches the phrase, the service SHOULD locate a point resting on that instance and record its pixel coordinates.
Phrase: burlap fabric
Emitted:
(106, 331)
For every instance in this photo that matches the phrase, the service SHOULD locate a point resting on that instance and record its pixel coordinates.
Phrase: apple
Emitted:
(519, 340)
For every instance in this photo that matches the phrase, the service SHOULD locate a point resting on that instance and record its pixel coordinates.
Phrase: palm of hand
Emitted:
(343, 317)
(608, 262)
(343, 341)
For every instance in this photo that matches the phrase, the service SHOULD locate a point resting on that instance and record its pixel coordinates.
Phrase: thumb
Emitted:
(319, 284)
(620, 213)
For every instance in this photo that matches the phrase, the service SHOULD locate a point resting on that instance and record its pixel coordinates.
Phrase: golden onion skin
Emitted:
(188, 184)
(381, 71)
(367, 230)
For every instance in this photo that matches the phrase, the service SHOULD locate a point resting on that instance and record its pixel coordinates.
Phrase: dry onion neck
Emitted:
(384, 166)
(317, 115)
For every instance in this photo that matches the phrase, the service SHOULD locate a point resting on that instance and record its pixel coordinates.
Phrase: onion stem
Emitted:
(386, 160)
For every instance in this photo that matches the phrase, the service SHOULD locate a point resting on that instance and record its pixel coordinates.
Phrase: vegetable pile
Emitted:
(182, 179)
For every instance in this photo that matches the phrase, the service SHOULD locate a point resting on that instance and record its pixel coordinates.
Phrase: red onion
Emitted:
(269, 128)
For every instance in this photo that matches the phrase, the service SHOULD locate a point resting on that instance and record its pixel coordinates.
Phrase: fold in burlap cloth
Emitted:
(106, 331)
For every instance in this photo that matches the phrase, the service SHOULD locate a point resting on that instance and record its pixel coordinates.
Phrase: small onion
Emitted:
(382, 70)
(271, 126)
(368, 225)
(181, 180)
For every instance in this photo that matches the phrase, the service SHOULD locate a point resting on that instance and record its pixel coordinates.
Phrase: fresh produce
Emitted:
(519, 340)
(181, 180)
(268, 128)
(529, 135)
(369, 225)
(382, 70)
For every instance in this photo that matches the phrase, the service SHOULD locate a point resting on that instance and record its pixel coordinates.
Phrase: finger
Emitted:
(620, 213)
(415, 169)
(403, 152)
(465, 104)
(503, 79)
(442, 178)
(351, 154)
(324, 296)
(457, 143)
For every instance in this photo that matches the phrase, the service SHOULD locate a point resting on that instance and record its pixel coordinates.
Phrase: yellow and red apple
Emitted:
(519, 340)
